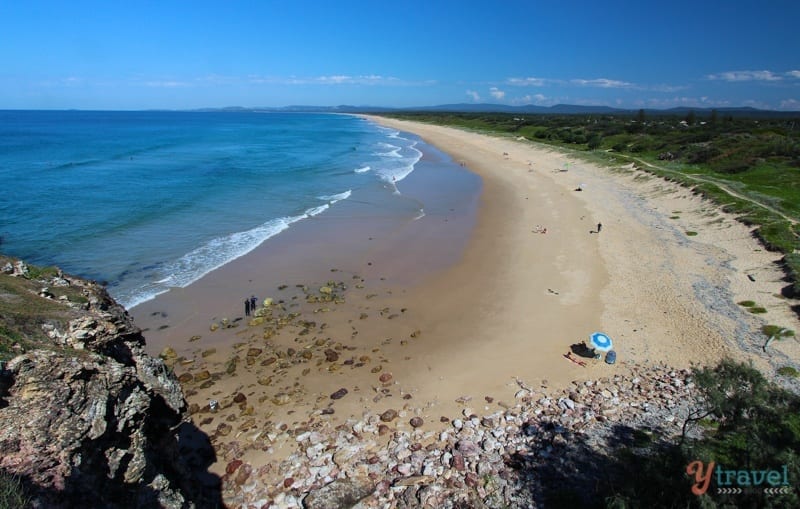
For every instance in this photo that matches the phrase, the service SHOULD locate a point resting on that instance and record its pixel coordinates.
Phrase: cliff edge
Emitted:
(87, 418)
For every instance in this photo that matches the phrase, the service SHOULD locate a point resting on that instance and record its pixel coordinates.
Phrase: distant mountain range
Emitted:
(558, 109)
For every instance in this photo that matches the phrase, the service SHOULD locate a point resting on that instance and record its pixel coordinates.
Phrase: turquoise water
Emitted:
(146, 201)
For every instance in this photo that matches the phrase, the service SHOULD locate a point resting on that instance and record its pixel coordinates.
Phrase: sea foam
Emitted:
(213, 255)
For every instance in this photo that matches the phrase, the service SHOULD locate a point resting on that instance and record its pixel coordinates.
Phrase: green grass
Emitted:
(788, 371)
(691, 234)
(777, 331)
(757, 310)
(12, 492)
(710, 424)
(23, 312)
(747, 303)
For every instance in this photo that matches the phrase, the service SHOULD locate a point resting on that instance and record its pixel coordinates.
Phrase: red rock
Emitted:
(385, 377)
(416, 422)
(287, 483)
(239, 398)
(458, 462)
(232, 466)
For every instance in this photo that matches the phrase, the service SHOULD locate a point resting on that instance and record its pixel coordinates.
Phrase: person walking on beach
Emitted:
(246, 307)
(599, 227)
(252, 302)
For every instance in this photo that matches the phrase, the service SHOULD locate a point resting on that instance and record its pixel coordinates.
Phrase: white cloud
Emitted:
(602, 83)
(790, 105)
(666, 88)
(525, 99)
(793, 74)
(335, 79)
(745, 76)
(475, 96)
(497, 93)
(672, 102)
(536, 99)
(542, 82)
(527, 82)
(368, 79)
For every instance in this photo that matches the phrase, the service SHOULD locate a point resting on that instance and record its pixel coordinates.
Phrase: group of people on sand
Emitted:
(250, 304)
(541, 229)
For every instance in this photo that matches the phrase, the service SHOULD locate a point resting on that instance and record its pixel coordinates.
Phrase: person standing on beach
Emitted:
(252, 302)
(599, 227)
(246, 307)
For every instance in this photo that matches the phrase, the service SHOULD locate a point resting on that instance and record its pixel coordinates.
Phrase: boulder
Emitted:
(340, 493)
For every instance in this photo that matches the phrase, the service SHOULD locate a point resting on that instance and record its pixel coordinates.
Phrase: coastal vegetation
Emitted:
(23, 312)
(749, 166)
(741, 423)
(777, 331)
(12, 492)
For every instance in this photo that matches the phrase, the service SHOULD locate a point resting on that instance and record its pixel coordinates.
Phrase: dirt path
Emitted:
(717, 183)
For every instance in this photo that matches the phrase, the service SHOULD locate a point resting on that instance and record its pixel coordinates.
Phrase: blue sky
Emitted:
(177, 55)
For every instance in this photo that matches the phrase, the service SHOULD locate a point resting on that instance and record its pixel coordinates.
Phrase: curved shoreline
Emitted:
(466, 338)
(669, 297)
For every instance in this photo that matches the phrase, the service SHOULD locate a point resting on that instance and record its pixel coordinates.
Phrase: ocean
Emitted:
(147, 201)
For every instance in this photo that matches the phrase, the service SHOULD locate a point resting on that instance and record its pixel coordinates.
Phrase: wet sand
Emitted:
(458, 309)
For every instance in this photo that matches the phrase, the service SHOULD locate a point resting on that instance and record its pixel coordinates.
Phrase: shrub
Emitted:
(776, 330)
(788, 371)
(701, 155)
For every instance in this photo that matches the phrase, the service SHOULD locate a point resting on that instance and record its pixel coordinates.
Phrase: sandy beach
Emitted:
(464, 306)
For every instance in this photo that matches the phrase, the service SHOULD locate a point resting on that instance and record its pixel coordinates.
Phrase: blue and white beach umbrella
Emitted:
(600, 342)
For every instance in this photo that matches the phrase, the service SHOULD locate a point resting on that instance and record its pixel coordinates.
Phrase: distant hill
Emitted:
(530, 109)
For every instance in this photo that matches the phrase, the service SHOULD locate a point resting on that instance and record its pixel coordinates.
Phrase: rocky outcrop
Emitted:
(509, 457)
(92, 421)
